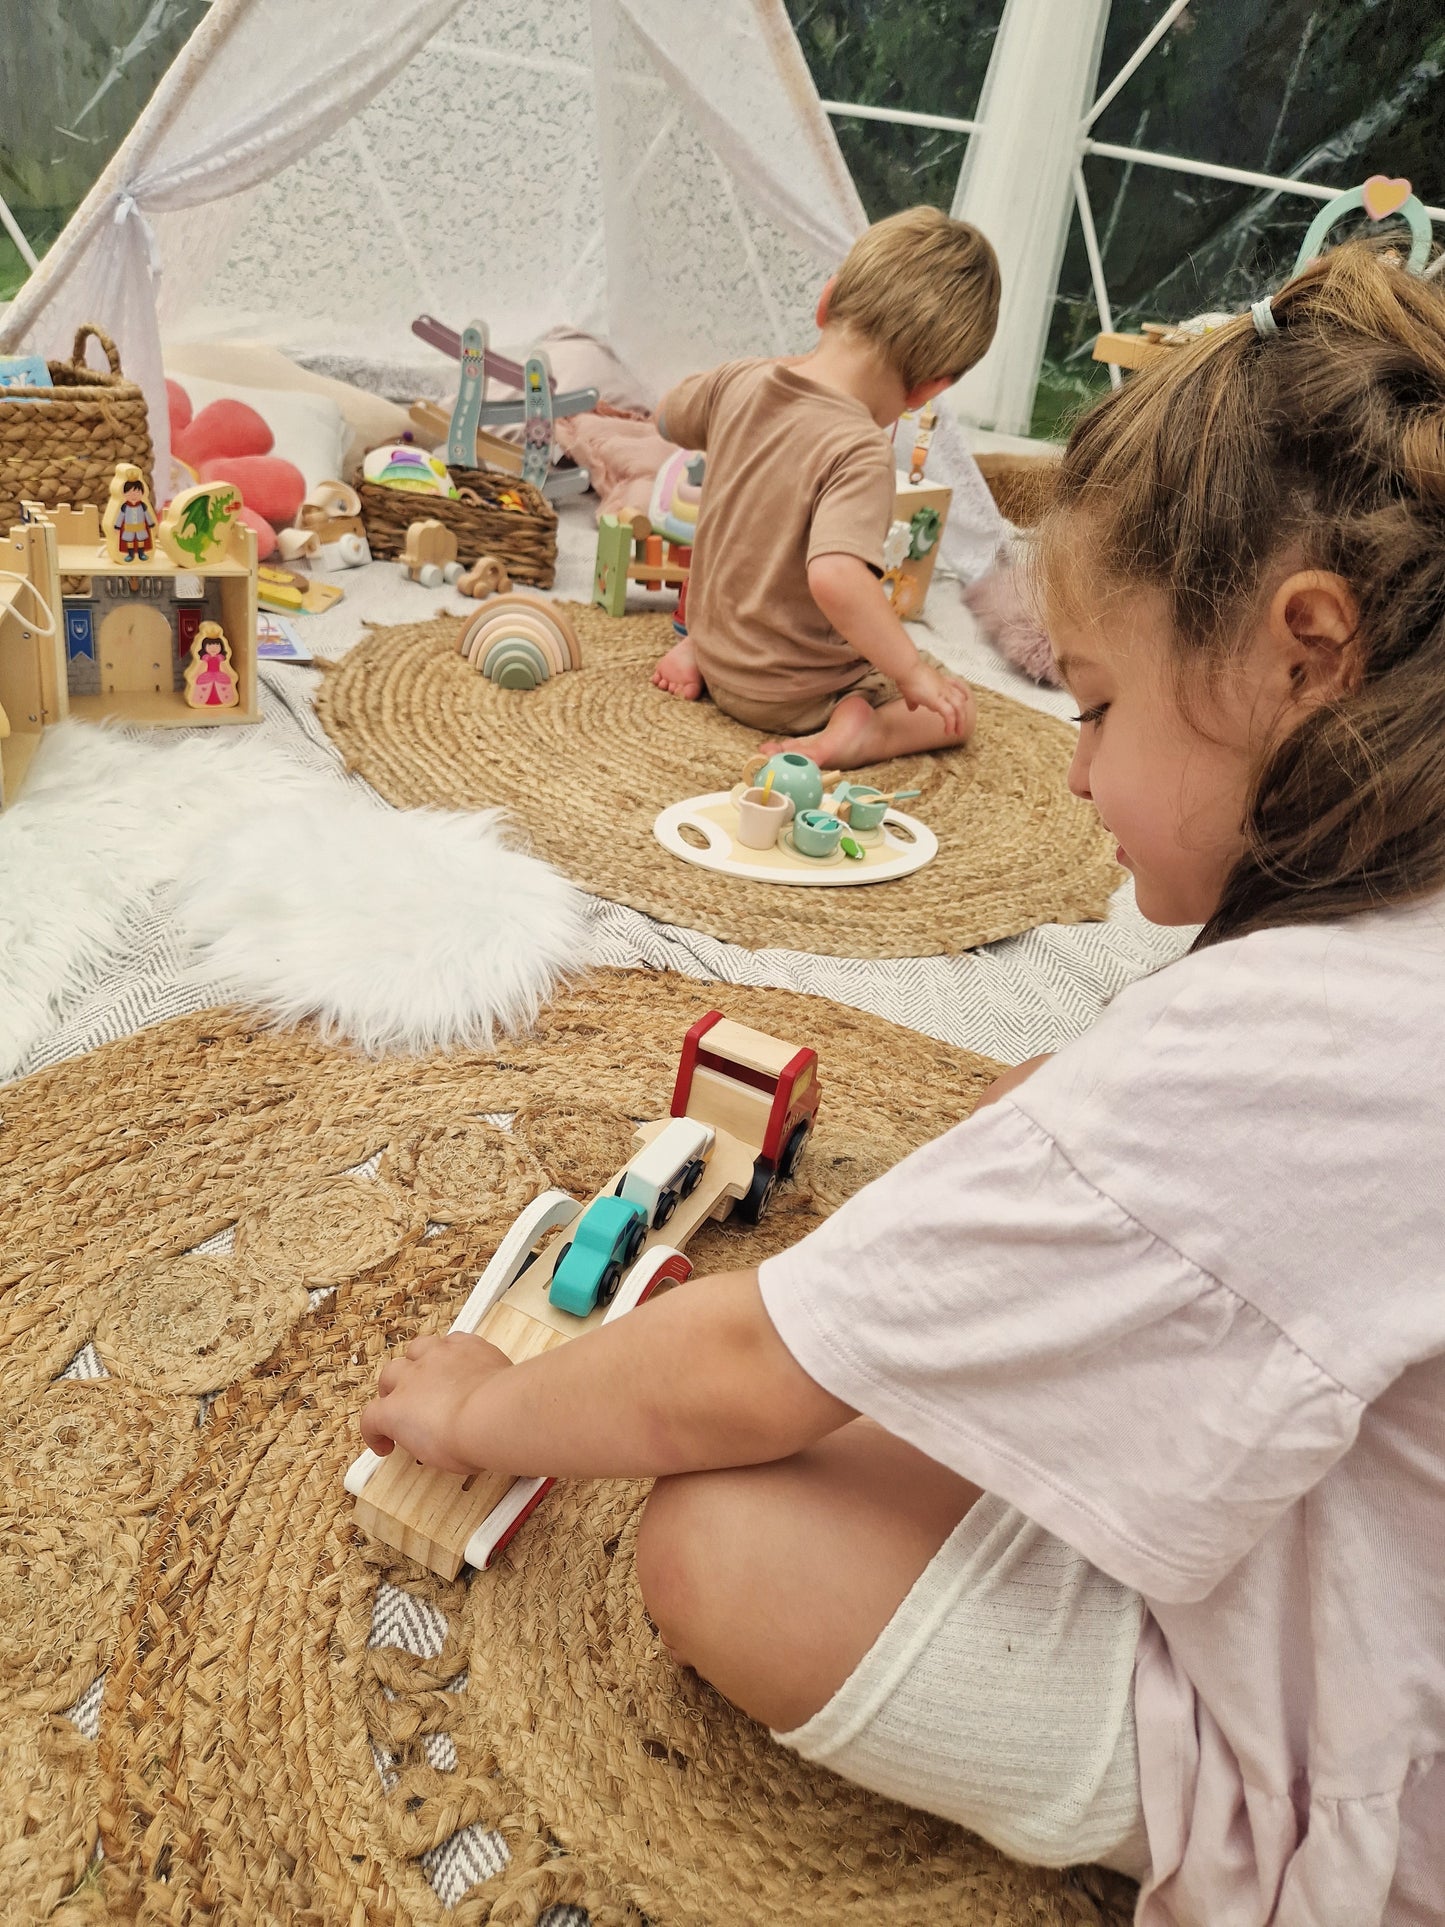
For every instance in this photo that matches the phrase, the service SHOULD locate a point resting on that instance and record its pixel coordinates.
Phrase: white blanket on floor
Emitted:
(1009, 1000)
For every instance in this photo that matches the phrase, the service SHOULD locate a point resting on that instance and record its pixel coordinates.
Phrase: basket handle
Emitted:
(112, 353)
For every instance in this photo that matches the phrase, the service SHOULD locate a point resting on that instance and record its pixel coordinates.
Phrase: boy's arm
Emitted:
(684, 412)
(854, 601)
(695, 1380)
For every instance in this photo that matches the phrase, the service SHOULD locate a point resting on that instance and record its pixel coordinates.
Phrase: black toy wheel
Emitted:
(666, 1205)
(692, 1177)
(607, 1284)
(636, 1238)
(557, 1261)
(759, 1193)
(793, 1149)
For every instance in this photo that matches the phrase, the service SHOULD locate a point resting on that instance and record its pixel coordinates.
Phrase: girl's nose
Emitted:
(1079, 771)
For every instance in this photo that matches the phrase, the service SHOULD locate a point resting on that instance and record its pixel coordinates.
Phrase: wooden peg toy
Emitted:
(628, 550)
(130, 517)
(210, 675)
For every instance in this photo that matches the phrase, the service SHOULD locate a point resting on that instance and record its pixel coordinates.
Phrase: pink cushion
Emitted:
(265, 534)
(178, 407)
(223, 428)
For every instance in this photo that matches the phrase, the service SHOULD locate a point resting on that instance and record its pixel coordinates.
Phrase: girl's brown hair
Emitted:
(1327, 440)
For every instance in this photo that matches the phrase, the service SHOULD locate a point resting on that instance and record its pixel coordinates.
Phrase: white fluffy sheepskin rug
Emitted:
(406, 930)
(301, 893)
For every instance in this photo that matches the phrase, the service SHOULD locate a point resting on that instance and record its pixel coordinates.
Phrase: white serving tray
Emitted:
(901, 846)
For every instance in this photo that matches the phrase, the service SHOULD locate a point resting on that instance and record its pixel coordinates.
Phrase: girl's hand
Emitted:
(421, 1396)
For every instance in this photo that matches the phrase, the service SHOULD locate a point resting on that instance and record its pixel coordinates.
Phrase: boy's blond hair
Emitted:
(923, 289)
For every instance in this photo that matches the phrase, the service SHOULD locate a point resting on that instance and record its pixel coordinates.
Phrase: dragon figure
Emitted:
(199, 525)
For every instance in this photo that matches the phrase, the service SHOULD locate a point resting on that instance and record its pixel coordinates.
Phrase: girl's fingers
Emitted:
(419, 1347)
(391, 1374)
(373, 1432)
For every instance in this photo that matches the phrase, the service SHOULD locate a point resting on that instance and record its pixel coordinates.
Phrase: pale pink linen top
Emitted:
(1181, 1299)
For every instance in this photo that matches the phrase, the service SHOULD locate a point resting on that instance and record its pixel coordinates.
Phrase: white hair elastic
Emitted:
(1264, 321)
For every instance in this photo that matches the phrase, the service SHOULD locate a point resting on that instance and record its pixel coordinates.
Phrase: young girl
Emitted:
(1136, 1553)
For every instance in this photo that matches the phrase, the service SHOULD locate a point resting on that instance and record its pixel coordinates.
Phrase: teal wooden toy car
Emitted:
(609, 1235)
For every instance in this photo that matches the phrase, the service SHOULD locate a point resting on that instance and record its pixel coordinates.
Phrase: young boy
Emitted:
(789, 628)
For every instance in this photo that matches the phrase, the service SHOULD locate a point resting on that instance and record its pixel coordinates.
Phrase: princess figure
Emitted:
(210, 678)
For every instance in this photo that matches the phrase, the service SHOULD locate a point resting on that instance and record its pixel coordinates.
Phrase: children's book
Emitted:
(277, 641)
(24, 371)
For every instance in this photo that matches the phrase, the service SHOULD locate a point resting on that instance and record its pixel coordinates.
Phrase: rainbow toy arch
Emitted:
(520, 641)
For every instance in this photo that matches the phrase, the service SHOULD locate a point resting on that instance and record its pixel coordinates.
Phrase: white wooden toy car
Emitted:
(668, 1170)
(429, 555)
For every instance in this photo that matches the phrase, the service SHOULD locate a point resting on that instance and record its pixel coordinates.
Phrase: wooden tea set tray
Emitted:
(899, 847)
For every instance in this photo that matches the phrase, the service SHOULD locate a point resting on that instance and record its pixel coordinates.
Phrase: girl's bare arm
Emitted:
(696, 1379)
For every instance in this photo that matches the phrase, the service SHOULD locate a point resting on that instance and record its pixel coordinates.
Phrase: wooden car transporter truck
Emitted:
(751, 1101)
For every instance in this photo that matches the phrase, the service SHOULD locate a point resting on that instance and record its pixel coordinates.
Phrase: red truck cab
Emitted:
(759, 1089)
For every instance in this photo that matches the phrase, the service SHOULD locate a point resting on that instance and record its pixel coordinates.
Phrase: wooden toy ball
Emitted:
(519, 641)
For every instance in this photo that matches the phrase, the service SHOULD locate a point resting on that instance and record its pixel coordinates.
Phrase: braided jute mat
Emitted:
(198, 1552)
(587, 761)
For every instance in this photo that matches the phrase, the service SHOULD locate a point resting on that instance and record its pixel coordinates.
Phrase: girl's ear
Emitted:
(1313, 623)
(825, 300)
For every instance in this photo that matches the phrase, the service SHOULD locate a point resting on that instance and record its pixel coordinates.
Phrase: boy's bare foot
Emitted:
(678, 672)
(857, 734)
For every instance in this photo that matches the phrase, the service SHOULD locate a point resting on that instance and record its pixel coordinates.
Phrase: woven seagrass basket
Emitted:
(525, 537)
(61, 444)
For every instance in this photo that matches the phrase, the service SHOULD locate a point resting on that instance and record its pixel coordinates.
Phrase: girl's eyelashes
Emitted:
(1094, 715)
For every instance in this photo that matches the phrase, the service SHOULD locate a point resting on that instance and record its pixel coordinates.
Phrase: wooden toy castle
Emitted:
(89, 630)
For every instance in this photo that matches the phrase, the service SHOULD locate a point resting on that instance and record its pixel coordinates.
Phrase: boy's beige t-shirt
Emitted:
(794, 471)
(1178, 1297)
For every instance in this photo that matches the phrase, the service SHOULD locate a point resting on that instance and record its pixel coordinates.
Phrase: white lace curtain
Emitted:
(317, 175)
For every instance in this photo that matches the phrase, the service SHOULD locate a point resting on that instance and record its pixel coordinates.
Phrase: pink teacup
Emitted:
(761, 817)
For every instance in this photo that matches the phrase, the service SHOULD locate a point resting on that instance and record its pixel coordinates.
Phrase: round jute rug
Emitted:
(259, 1758)
(586, 762)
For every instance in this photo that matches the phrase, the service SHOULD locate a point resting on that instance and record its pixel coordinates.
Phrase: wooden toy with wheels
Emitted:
(742, 1109)
(487, 576)
(429, 555)
(518, 641)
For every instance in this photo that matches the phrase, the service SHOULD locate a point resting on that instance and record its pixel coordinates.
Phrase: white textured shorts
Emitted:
(1001, 1696)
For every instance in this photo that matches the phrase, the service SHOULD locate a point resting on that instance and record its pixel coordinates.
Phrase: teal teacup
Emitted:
(816, 833)
(864, 814)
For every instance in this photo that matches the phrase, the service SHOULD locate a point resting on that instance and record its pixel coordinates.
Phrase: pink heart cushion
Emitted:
(178, 407)
(273, 487)
(223, 428)
(265, 534)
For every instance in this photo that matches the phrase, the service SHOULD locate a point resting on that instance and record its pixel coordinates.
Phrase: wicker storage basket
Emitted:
(61, 444)
(525, 539)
